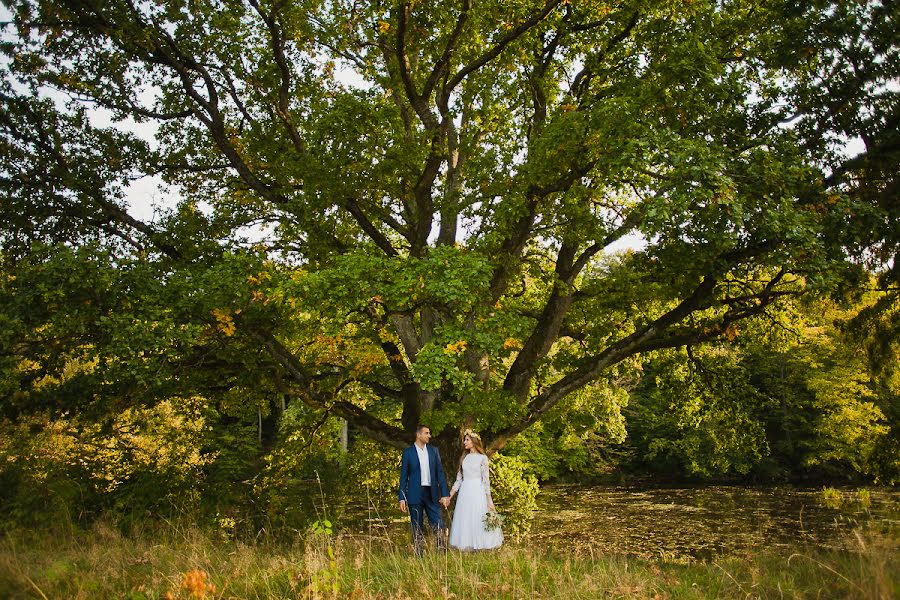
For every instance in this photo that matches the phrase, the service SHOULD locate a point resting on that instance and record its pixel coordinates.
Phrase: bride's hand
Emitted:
(491, 506)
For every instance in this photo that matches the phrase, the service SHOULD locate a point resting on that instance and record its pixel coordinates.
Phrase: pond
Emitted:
(698, 522)
(707, 521)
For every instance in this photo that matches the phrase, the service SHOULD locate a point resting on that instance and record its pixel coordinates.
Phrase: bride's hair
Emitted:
(477, 445)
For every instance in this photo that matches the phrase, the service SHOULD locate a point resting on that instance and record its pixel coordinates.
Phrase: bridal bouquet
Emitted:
(493, 520)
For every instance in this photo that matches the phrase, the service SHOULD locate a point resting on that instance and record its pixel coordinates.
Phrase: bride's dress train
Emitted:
(467, 531)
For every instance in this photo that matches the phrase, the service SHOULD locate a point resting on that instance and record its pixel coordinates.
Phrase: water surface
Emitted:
(707, 521)
(685, 523)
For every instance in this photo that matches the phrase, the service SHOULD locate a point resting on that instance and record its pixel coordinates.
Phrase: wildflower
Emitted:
(194, 583)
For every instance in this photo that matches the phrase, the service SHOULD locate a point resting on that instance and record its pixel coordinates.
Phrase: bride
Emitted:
(467, 532)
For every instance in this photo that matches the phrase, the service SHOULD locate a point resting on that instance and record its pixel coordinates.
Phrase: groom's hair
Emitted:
(420, 427)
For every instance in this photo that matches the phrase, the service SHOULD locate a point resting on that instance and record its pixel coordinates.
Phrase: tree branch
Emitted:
(504, 41)
(515, 242)
(442, 63)
(379, 238)
(284, 89)
(645, 339)
(369, 425)
(44, 144)
(579, 84)
(418, 102)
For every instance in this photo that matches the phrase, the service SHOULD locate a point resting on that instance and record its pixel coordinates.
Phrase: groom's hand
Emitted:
(445, 501)
(403, 506)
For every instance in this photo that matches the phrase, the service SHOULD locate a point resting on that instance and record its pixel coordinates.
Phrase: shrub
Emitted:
(514, 492)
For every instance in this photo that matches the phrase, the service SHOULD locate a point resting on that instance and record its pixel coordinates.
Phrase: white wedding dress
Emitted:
(473, 481)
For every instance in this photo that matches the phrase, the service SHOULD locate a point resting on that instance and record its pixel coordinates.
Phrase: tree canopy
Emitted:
(406, 211)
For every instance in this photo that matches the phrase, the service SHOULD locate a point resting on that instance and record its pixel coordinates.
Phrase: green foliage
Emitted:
(537, 449)
(513, 491)
(322, 527)
(835, 413)
(236, 447)
(836, 499)
(864, 497)
(369, 471)
(577, 438)
(698, 416)
(851, 427)
(142, 461)
(802, 401)
(302, 462)
(832, 497)
(407, 212)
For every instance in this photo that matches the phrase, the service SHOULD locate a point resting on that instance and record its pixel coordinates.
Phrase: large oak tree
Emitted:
(397, 211)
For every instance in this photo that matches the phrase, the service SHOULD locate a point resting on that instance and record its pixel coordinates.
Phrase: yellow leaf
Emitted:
(455, 347)
(510, 343)
(225, 321)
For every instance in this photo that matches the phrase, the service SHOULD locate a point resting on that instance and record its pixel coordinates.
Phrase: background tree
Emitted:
(404, 211)
(791, 396)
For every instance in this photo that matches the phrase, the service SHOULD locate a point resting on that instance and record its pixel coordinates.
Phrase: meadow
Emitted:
(183, 561)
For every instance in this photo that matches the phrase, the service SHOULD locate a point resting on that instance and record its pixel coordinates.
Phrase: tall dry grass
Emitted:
(181, 561)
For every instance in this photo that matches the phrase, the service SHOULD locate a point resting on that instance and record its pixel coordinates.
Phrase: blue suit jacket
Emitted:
(411, 476)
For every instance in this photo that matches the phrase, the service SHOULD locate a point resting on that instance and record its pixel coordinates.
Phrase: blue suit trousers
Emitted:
(417, 514)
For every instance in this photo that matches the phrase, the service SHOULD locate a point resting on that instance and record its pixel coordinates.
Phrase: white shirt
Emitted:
(423, 464)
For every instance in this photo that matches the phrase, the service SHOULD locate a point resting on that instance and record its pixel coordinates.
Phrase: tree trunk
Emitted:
(448, 445)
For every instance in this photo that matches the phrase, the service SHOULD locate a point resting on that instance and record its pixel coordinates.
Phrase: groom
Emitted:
(423, 488)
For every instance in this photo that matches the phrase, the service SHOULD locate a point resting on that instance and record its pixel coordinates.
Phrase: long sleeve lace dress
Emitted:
(473, 482)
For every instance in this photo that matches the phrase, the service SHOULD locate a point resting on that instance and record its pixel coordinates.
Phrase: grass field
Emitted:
(182, 561)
